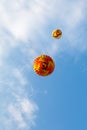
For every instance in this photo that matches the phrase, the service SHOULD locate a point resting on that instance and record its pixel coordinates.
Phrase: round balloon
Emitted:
(57, 33)
(43, 65)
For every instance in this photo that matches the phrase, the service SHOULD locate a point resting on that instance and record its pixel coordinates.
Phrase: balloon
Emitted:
(43, 65)
(57, 33)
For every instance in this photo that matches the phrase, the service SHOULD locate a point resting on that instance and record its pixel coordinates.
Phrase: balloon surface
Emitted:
(57, 33)
(43, 65)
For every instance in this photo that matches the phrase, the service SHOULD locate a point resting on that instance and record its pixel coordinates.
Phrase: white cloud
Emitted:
(16, 115)
(23, 107)
(16, 101)
(26, 20)
(17, 73)
(71, 16)
(20, 111)
(28, 107)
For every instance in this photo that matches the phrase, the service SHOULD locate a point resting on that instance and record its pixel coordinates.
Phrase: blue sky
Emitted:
(32, 102)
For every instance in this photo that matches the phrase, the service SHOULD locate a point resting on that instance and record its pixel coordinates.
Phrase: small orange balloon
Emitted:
(43, 65)
(57, 33)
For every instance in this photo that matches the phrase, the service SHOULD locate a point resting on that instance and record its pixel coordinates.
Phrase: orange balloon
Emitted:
(57, 33)
(43, 65)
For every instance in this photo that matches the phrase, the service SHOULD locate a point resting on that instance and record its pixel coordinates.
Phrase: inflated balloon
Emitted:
(43, 65)
(57, 33)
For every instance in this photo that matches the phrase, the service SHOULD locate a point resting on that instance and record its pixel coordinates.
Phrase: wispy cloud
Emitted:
(16, 115)
(18, 75)
(22, 112)
(26, 20)
(18, 108)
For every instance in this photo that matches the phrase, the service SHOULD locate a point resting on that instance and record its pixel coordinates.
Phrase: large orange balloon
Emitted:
(57, 33)
(43, 65)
